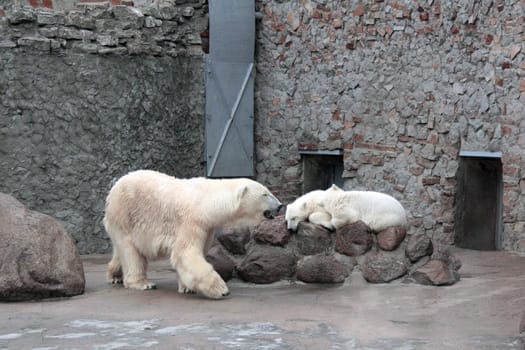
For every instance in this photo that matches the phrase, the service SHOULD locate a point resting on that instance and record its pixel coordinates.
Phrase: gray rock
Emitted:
(234, 239)
(321, 268)
(418, 246)
(313, 239)
(38, 258)
(390, 238)
(381, 267)
(442, 252)
(353, 239)
(221, 262)
(272, 232)
(267, 264)
(22, 14)
(437, 273)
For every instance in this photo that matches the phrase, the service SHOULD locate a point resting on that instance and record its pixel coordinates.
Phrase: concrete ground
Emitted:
(482, 311)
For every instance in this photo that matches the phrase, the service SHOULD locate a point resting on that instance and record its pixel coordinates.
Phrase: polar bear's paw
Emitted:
(185, 290)
(141, 285)
(213, 286)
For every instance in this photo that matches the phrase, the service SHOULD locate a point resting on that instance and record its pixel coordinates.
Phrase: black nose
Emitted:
(268, 214)
(291, 230)
(280, 207)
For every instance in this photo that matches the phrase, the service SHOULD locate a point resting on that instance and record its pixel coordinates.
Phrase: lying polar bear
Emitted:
(150, 215)
(334, 208)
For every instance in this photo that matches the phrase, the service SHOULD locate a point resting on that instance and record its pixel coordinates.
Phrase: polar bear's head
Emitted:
(255, 203)
(302, 207)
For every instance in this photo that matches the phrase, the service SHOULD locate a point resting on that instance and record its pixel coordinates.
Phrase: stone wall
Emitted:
(90, 94)
(401, 87)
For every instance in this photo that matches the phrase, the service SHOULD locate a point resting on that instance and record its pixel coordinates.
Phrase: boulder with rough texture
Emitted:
(389, 239)
(321, 268)
(418, 246)
(267, 264)
(313, 239)
(272, 232)
(436, 273)
(221, 262)
(38, 258)
(234, 239)
(382, 267)
(353, 239)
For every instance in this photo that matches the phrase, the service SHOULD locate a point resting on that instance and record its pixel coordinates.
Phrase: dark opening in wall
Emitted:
(479, 201)
(321, 169)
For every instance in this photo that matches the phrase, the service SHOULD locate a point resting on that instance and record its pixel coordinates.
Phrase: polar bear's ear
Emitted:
(334, 187)
(242, 192)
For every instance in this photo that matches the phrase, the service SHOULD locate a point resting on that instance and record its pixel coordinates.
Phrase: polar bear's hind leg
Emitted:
(114, 272)
(134, 267)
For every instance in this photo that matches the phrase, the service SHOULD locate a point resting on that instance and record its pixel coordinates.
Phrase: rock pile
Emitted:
(269, 253)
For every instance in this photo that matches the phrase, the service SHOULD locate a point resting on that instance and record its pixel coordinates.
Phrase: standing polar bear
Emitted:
(334, 208)
(151, 215)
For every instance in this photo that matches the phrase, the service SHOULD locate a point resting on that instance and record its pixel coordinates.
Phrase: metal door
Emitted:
(229, 89)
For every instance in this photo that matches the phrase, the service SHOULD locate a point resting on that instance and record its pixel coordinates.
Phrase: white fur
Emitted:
(151, 215)
(334, 208)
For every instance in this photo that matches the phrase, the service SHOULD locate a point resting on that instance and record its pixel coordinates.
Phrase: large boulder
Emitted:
(235, 239)
(321, 268)
(390, 238)
(382, 267)
(38, 258)
(354, 239)
(313, 239)
(267, 264)
(418, 246)
(272, 232)
(436, 273)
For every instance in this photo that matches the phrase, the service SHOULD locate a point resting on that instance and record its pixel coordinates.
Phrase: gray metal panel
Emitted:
(229, 89)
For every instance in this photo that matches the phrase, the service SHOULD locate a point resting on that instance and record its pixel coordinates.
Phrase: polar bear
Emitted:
(334, 208)
(151, 215)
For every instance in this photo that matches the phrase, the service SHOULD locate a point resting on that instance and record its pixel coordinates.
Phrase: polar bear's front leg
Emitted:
(321, 218)
(196, 274)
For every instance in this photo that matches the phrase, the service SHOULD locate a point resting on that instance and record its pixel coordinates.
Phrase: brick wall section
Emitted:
(401, 86)
(90, 94)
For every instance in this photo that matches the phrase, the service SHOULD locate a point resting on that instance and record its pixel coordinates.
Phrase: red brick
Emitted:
(317, 15)
(428, 181)
(322, 7)
(416, 170)
(506, 130)
(2, 12)
(522, 85)
(115, 2)
(499, 81)
(350, 45)
(377, 147)
(506, 65)
(128, 3)
(336, 115)
(437, 8)
(359, 10)
(454, 30)
(424, 16)
(425, 162)
(397, 5)
(489, 38)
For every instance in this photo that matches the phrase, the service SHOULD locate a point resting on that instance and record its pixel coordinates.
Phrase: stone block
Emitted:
(272, 232)
(390, 238)
(382, 267)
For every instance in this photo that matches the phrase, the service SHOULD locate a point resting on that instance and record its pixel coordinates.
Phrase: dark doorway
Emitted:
(479, 201)
(321, 169)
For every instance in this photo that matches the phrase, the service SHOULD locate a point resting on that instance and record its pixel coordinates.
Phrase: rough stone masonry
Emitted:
(400, 86)
(90, 94)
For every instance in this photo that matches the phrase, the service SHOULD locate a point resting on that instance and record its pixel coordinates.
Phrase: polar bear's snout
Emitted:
(272, 213)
